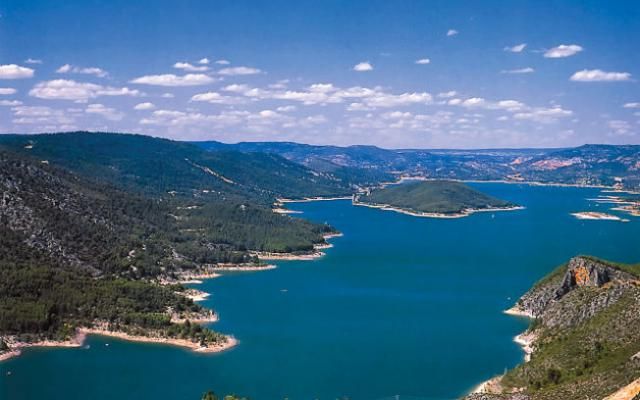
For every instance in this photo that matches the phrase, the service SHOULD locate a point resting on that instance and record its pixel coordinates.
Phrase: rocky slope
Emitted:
(585, 334)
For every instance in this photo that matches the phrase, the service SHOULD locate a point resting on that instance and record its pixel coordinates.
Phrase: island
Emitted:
(583, 341)
(435, 199)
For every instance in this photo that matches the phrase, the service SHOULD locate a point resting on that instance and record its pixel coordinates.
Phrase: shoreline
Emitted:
(215, 348)
(308, 199)
(81, 334)
(465, 213)
(597, 216)
(244, 268)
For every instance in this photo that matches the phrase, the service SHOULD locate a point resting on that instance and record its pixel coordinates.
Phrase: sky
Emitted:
(396, 74)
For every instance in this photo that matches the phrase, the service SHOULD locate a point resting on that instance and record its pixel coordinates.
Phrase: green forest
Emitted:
(444, 197)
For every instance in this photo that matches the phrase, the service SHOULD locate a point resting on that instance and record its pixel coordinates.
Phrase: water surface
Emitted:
(400, 306)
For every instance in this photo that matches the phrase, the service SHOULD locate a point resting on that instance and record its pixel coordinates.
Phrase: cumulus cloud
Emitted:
(40, 115)
(223, 62)
(107, 112)
(215, 98)
(10, 103)
(563, 50)
(232, 71)
(174, 80)
(516, 49)
(597, 75)
(363, 67)
(68, 68)
(631, 105)
(452, 32)
(5, 91)
(620, 128)
(423, 61)
(526, 70)
(191, 68)
(446, 95)
(13, 71)
(32, 61)
(204, 61)
(544, 115)
(63, 89)
(144, 106)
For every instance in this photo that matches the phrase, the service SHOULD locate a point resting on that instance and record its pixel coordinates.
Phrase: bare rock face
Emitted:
(580, 272)
(583, 271)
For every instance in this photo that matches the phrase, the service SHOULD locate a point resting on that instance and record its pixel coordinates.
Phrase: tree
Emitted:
(209, 396)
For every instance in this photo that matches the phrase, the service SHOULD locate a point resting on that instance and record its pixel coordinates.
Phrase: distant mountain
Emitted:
(585, 165)
(432, 197)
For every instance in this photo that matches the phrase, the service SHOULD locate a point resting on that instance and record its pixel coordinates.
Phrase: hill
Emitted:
(156, 167)
(431, 197)
(606, 165)
(584, 340)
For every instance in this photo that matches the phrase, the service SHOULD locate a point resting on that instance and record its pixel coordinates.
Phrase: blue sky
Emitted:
(430, 74)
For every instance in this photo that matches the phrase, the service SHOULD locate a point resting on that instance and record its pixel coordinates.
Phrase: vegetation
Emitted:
(84, 236)
(212, 396)
(443, 197)
(586, 341)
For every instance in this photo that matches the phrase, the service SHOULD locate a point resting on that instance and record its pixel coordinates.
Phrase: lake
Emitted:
(399, 306)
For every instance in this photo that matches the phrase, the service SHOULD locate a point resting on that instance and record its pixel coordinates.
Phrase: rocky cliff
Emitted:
(585, 334)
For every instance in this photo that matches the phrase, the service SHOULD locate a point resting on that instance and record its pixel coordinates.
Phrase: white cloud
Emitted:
(423, 61)
(215, 98)
(232, 71)
(167, 95)
(189, 67)
(363, 66)
(526, 70)
(452, 32)
(174, 80)
(68, 68)
(544, 115)
(597, 75)
(4, 91)
(33, 115)
(107, 112)
(563, 50)
(63, 89)
(446, 95)
(13, 71)
(620, 128)
(516, 49)
(10, 103)
(32, 61)
(286, 108)
(144, 106)
(204, 61)
(223, 62)
(632, 105)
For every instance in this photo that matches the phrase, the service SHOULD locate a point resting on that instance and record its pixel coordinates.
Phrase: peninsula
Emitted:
(583, 341)
(436, 199)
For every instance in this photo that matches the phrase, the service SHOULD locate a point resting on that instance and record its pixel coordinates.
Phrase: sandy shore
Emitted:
(285, 211)
(517, 311)
(16, 347)
(591, 215)
(307, 199)
(287, 256)
(79, 339)
(214, 348)
(526, 340)
(239, 267)
(465, 213)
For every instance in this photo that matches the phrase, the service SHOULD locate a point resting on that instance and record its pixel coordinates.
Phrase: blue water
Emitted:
(400, 306)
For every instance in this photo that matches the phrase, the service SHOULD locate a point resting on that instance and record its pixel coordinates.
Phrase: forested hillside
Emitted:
(440, 197)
